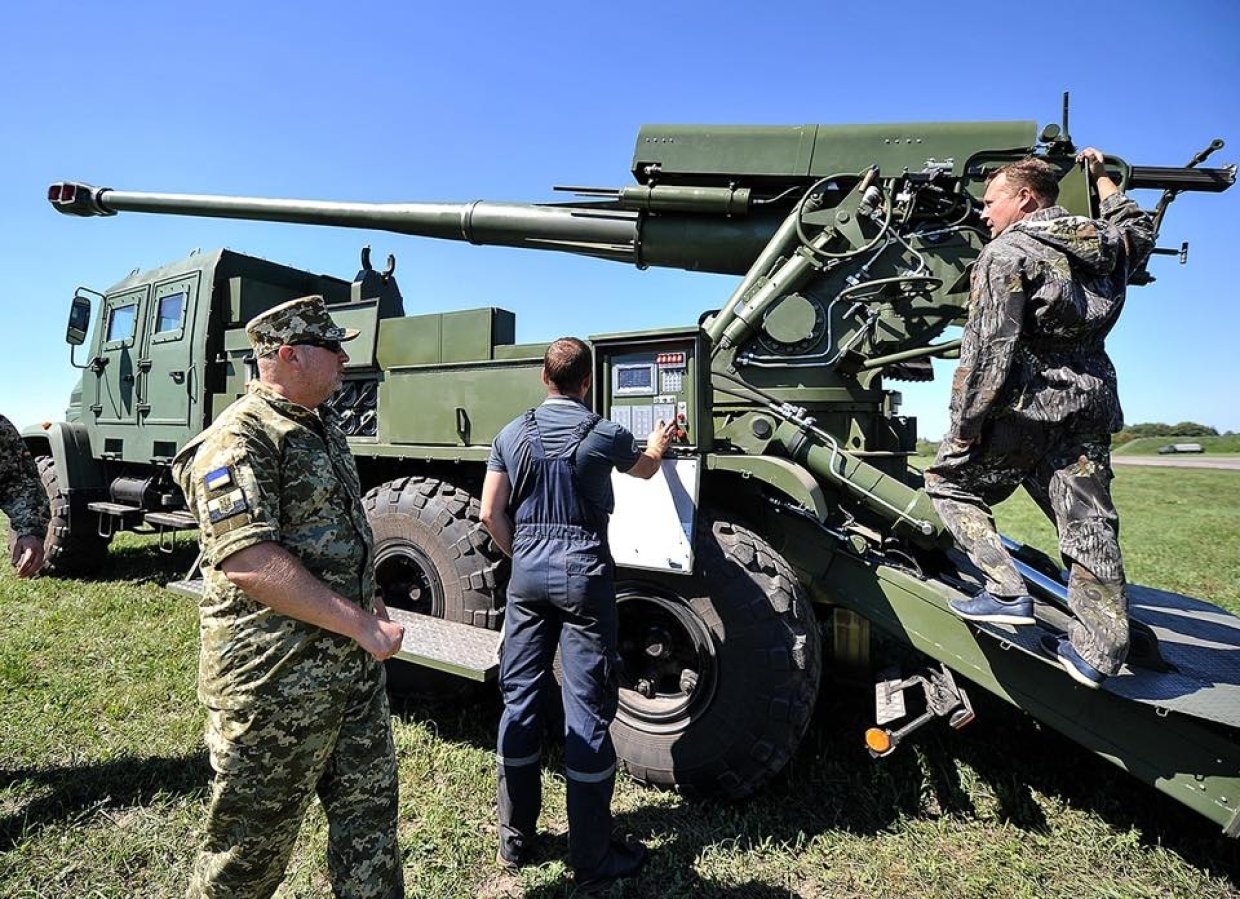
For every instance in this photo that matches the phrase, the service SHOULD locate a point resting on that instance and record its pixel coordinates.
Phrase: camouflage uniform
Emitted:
(21, 492)
(1035, 393)
(293, 709)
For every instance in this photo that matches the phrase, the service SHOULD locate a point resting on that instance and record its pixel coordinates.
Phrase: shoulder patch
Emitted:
(218, 479)
(226, 506)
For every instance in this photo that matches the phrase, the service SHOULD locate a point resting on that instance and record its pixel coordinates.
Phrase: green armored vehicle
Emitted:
(786, 524)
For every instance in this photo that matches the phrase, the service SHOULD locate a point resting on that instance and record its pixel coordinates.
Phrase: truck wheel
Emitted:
(720, 667)
(73, 553)
(432, 555)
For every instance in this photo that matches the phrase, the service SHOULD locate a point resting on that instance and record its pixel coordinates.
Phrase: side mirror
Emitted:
(79, 321)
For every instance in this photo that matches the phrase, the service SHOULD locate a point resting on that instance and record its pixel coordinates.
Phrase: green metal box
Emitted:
(470, 335)
(461, 404)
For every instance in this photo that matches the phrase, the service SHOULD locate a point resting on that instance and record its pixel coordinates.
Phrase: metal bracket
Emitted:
(1182, 252)
(944, 699)
(106, 527)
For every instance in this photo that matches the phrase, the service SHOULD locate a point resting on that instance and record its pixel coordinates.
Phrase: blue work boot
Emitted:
(1078, 669)
(994, 609)
(1063, 652)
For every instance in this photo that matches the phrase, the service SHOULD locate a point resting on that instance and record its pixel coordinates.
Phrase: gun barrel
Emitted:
(720, 244)
(1182, 178)
(609, 234)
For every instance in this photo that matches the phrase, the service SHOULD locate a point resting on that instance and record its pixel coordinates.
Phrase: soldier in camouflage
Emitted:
(22, 498)
(1034, 402)
(293, 636)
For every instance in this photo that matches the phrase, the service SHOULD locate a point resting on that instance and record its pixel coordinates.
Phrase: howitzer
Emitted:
(790, 478)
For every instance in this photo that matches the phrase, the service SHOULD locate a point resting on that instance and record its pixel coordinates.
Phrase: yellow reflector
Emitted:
(878, 740)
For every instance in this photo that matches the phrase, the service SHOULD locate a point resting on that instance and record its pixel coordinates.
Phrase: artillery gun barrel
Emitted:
(685, 240)
(1180, 178)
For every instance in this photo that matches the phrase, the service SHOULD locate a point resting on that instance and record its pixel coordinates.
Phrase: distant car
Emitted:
(1181, 448)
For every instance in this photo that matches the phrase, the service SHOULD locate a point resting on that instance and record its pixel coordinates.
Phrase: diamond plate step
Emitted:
(450, 646)
(178, 520)
(1200, 641)
(191, 588)
(114, 509)
(460, 649)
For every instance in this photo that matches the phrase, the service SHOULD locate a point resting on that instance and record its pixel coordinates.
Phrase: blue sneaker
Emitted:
(984, 607)
(1078, 669)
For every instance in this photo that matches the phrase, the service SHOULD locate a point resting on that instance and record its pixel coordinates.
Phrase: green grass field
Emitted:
(103, 777)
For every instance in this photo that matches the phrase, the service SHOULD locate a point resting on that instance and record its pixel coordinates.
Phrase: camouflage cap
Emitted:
(304, 320)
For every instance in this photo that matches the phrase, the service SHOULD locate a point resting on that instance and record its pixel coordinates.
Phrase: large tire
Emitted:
(432, 554)
(67, 552)
(721, 667)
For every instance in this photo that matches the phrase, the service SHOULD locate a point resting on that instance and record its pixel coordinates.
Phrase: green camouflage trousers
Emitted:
(270, 760)
(1069, 477)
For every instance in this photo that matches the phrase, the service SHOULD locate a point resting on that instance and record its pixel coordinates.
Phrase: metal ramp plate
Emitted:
(1200, 641)
(178, 519)
(191, 588)
(113, 509)
(450, 646)
(460, 649)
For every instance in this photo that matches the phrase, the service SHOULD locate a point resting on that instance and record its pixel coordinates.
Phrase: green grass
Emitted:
(1148, 446)
(1179, 529)
(104, 781)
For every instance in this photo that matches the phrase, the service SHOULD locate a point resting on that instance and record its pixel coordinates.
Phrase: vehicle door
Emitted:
(169, 380)
(116, 369)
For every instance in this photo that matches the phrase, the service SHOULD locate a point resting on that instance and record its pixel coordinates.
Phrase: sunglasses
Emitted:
(329, 345)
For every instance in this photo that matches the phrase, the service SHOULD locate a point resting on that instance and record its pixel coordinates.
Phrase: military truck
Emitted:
(1178, 448)
(787, 522)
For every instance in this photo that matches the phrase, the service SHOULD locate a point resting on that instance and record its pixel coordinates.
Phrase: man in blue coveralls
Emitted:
(546, 501)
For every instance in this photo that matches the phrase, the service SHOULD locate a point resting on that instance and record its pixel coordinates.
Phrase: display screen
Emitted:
(637, 377)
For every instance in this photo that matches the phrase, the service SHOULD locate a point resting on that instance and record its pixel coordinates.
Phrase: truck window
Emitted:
(168, 316)
(120, 322)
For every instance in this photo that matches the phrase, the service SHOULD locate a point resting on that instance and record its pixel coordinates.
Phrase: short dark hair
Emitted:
(1038, 175)
(567, 364)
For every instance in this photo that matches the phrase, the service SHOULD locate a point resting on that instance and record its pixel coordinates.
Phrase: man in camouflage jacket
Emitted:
(292, 634)
(1034, 402)
(22, 498)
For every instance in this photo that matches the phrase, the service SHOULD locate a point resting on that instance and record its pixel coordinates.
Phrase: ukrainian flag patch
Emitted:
(218, 479)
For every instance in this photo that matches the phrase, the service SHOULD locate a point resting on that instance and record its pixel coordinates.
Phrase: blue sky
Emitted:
(456, 102)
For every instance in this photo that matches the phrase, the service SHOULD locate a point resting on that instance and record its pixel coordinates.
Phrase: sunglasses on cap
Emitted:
(330, 345)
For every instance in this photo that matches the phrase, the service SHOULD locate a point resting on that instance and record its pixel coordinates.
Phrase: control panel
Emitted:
(648, 384)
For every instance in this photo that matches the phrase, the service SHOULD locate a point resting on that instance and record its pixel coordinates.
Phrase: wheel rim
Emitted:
(670, 666)
(407, 580)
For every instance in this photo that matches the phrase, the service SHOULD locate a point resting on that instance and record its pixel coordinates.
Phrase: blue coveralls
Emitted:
(562, 591)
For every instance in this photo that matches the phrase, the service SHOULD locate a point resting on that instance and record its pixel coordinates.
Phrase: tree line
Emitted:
(1158, 429)
(1131, 432)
